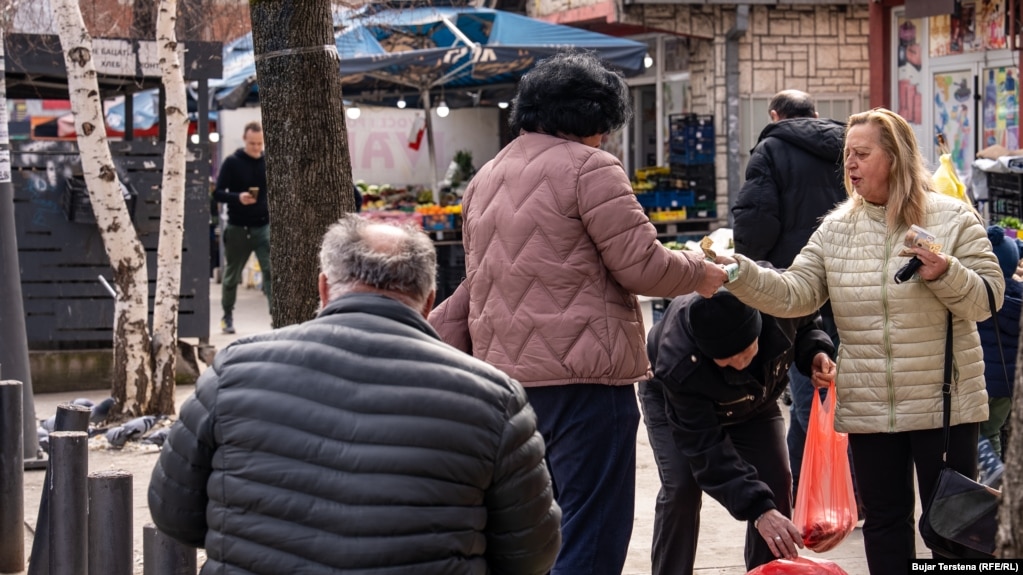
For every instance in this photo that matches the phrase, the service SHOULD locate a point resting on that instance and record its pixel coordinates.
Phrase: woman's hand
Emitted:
(782, 536)
(714, 277)
(822, 371)
(934, 265)
(724, 260)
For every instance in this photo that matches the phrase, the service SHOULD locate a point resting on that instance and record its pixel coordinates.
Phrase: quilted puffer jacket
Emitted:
(793, 178)
(555, 247)
(891, 358)
(358, 443)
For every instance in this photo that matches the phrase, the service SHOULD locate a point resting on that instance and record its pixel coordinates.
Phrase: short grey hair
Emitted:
(408, 267)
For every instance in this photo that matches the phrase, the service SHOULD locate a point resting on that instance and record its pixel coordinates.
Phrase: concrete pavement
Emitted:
(721, 539)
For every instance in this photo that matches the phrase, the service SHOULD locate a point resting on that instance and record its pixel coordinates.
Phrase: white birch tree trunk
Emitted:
(172, 200)
(132, 371)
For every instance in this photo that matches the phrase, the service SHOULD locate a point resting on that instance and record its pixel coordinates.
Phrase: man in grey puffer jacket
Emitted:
(358, 441)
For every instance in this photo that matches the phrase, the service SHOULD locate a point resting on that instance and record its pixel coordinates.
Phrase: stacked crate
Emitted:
(1004, 196)
(691, 160)
(661, 199)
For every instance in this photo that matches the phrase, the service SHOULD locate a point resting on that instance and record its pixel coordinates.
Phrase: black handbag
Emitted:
(961, 518)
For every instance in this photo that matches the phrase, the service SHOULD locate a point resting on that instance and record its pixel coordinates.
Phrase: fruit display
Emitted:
(411, 203)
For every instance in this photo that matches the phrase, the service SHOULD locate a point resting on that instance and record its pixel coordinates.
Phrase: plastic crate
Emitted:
(691, 157)
(692, 125)
(451, 256)
(437, 222)
(666, 199)
(1004, 196)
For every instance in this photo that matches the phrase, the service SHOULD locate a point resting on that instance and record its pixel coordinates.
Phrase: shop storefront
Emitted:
(951, 71)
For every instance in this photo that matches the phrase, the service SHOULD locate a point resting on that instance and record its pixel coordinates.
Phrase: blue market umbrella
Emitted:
(470, 56)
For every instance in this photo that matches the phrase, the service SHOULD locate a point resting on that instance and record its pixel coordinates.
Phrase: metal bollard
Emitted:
(69, 500)
(12, 479)
(162, 555)
(70, 417)
(110, 523)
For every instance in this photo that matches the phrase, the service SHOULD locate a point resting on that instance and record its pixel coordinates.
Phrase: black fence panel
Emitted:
(61, 253)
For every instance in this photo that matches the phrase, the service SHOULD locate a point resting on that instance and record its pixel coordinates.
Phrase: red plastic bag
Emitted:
(799, 566)
(825, 502)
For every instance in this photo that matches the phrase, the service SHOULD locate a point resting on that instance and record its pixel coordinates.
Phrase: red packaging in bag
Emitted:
(799, 566)
(825, 502)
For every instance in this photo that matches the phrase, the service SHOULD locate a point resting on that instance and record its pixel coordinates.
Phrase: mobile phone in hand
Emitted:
(254, 192)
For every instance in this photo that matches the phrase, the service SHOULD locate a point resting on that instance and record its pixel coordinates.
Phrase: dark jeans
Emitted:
(884, 474)
(799, 419)
(590, 435)
(239, 243)
(759, 441)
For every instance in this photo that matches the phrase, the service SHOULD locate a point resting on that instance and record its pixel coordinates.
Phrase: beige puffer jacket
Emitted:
(555, 247)
(892, 348)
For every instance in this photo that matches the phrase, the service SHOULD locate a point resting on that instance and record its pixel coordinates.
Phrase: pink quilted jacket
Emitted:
(555, 247)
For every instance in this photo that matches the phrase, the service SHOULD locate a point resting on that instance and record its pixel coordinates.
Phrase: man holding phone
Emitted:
(241, 184)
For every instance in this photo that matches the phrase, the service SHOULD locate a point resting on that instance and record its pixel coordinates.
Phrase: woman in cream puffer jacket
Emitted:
(890, 362)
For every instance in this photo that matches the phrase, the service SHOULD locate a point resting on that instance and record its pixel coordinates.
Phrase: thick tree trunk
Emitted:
(309, 176)
(1010, 512)
(127, 257)
(172, 214)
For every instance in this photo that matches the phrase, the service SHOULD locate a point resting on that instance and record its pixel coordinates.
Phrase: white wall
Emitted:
(378, 141)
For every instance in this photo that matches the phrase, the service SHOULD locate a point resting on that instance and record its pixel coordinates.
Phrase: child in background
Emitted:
(999, 389)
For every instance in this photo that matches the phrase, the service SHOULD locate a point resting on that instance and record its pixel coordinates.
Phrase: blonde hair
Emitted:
(908, 177)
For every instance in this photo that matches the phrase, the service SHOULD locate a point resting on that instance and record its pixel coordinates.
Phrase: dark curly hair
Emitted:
(571, 93)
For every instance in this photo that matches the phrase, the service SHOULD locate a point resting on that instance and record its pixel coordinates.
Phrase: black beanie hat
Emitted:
(722, 325)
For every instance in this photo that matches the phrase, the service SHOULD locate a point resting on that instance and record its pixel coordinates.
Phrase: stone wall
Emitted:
(819, 49)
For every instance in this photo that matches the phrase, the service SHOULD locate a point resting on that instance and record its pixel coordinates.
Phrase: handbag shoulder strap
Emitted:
(994, 324)
(946, 386)
(946, 391)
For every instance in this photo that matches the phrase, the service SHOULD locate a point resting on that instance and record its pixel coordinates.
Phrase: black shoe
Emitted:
(227, 324)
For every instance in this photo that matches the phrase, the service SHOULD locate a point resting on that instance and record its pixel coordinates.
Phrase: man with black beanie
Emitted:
(714, 423)
(241, 184)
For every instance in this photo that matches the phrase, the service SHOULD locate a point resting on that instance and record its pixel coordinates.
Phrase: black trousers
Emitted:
(884, 476)
(760, 441)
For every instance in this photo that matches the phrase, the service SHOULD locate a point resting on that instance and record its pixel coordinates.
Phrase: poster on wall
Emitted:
(968, 28)
(953, 108)
(991, 24)
(940, 35)
(1001, 97)
(910, 55)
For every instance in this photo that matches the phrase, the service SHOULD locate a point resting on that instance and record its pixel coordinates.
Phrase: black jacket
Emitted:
(357, 442)
(703, 399)
(793, 178)
(238, 173)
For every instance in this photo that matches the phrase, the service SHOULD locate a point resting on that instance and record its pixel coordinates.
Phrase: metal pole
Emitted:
(110, 523)
(12, 479)
(69, 500)
(70, 417)
(162, 555)
(431, 152)
(14, 351)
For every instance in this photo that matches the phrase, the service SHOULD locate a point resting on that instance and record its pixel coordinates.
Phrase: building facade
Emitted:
(728, 60)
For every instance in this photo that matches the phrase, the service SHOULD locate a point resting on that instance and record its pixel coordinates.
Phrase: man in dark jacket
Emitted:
(715, 426)
(358, 441)
(793, 178)
(241, 184)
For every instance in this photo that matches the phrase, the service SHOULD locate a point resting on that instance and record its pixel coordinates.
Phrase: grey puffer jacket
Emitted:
(890, 361)
(357, 443)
